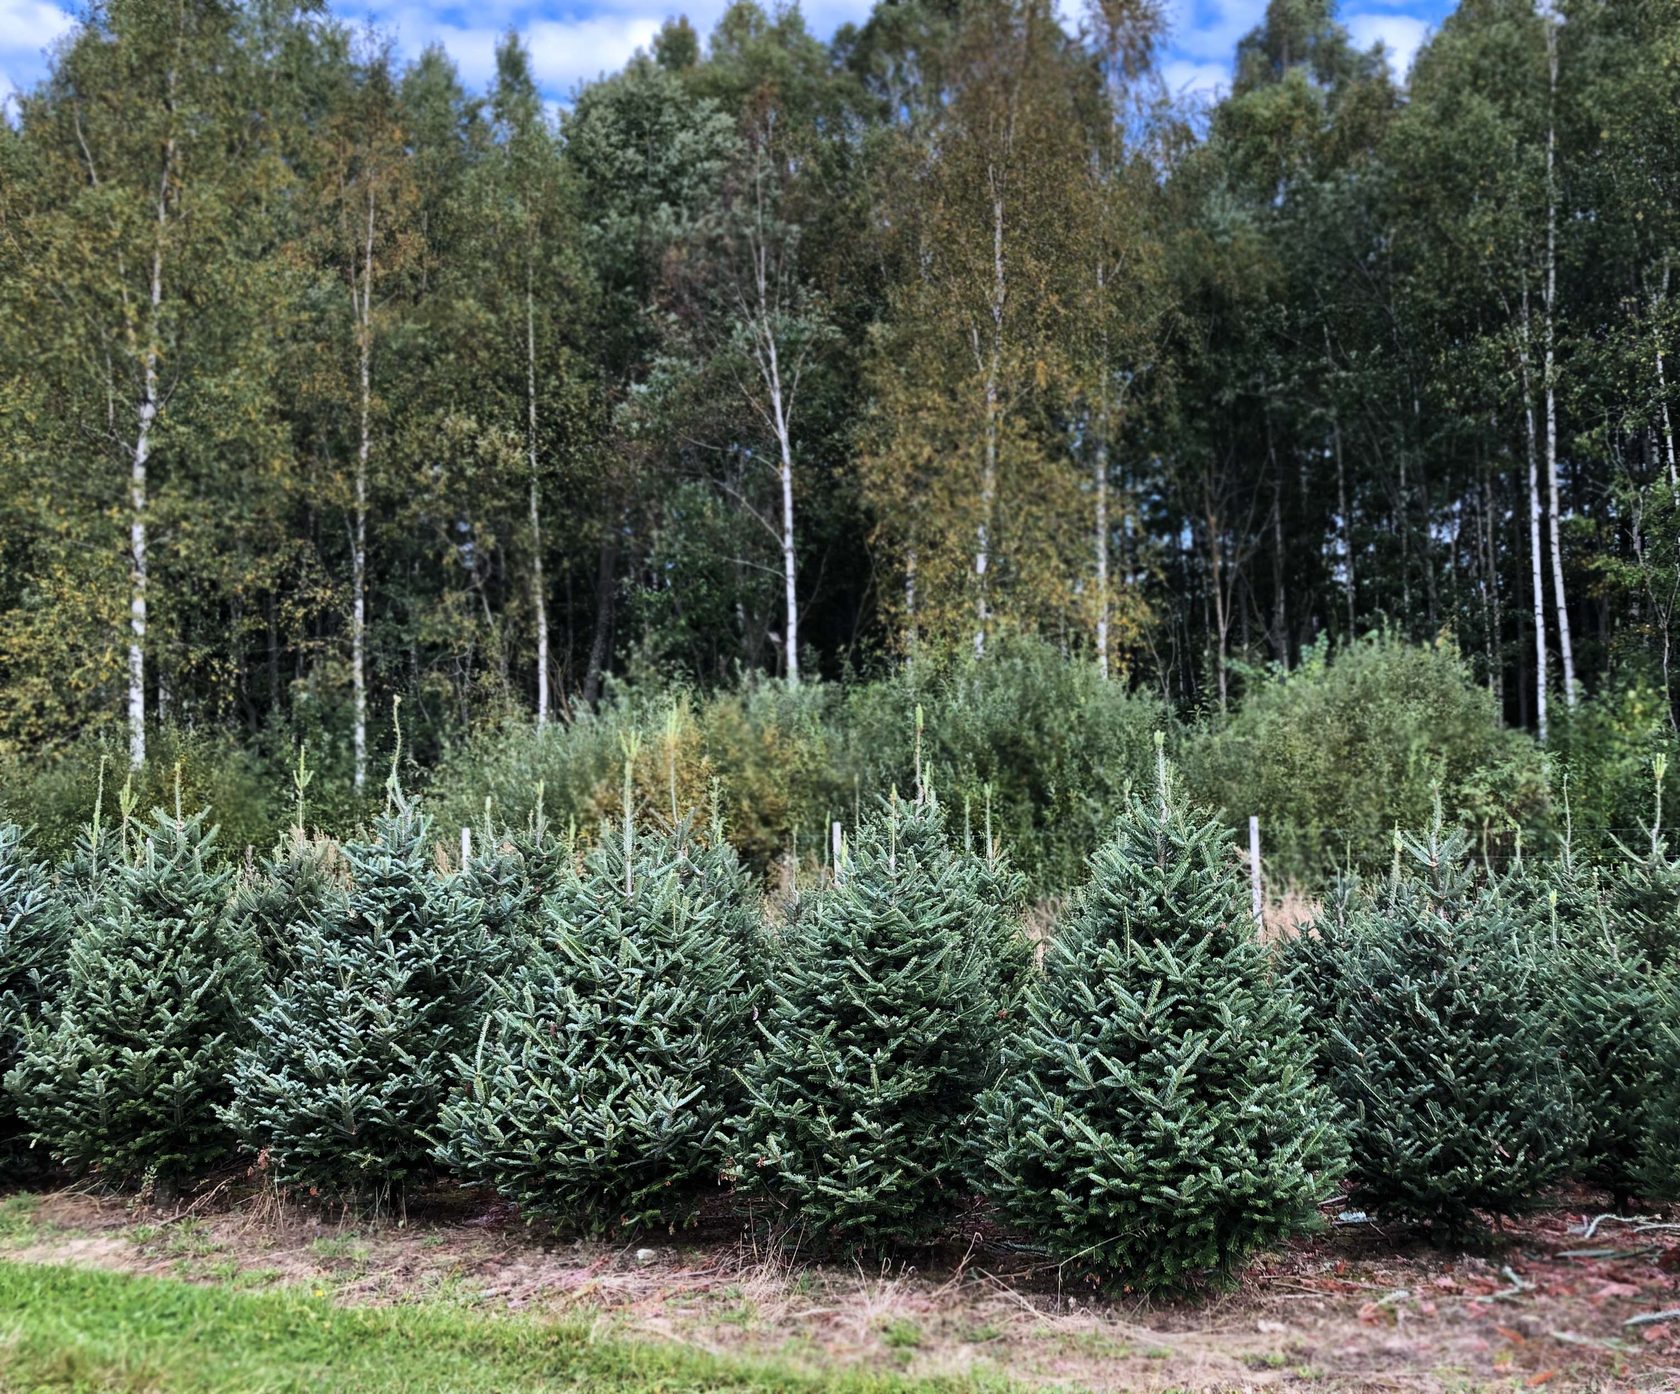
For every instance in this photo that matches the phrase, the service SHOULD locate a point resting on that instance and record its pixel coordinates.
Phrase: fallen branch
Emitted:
(1652, 1318)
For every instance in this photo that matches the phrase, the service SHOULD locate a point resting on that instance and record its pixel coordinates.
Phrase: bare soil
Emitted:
(1546, 1303)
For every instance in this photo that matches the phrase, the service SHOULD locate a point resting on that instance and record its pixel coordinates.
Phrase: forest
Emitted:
(778, 366)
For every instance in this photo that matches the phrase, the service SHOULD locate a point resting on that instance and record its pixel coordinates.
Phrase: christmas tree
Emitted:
(1441, 1046)
(158, 990)
(878, 1035)
(508, 876)
(599, 1082)
(1660, 1169)
(1159, 1117)
(350, 1061)
(1604, 1012)
(296, 887)
(1642, 887)
(34, 937)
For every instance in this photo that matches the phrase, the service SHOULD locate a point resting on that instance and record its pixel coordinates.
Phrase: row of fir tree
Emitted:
(605, 1033)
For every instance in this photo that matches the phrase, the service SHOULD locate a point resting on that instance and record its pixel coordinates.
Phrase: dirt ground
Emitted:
(1568, 1299)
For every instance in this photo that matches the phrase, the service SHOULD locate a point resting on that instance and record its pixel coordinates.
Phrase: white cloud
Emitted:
(1401, 35)
(27, 29)
(565, 53)
(1185, 77)
(1208, 30)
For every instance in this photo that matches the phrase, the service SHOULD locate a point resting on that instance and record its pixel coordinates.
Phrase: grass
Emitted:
(88, 1332)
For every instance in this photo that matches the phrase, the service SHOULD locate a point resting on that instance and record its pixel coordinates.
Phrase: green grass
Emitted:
(70, 1329)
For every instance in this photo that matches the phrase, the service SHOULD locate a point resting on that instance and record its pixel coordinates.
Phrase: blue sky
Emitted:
(572, 41)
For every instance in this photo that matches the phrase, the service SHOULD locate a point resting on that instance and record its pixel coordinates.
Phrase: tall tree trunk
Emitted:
(539, 591)
(1662, 383)
(138, 495)
(1100, 479)
(358, 542)
(1534, 545)
(1566, 647)
(989, 452)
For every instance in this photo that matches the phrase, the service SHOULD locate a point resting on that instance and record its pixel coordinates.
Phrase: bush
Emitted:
(34, 933)
(1158, 1117)
(350, 1061)
(1335, 754)
(600, 1080)
(159, 986)
(1049, 743)
(1440, 1045)
(878, 1036)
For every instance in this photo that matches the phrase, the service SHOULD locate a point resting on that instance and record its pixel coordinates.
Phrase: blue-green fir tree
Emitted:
(1441, 1044)
(129, 1080)
(1159, 1115)
(601, 1078)
(34, 939)
(341, 1088)
(878, 1034)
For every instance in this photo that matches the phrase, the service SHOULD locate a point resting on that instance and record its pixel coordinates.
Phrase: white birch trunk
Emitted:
(989, 454)
(138, 493)
(1539, 592)
(358, 546)
(1566, 647)
(1662, 384)
(539, 592)
(1100, 470)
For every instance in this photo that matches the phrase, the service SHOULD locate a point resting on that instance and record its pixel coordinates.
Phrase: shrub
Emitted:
(877, 1039)
(1158, 1117)
(1336, 753)
(600, 1079)
(1049, 742)
(34, 933)
(158, 991)
(350, 1060)
(1441, 1048)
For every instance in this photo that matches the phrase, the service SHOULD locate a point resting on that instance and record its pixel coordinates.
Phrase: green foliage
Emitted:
(1159, 1118)
(1049, 744)
(1660, 1171)
(601, 1077)
(34, 933)
(878, 1036)
(159, 985)
(1440, 1044)
(294, 890)
(350, 1058)
(1605, 1009)
(1336, 753)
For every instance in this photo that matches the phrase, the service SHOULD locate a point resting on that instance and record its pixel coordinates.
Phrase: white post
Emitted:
(466, 847)
(835, 842)
(1254, 870)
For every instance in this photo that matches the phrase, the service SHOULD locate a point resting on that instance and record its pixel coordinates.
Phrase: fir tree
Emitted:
(878, 1035)
(508, 877)
(1441, 1047)
(1159, 1118)
(350, 1063)
(1642, 887)
(597, 1089)
(1604, 1011)
(34, 937)
(295, 888)
(1660, 1159)
(159, 984)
